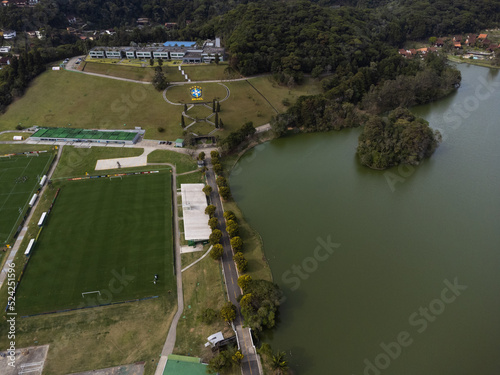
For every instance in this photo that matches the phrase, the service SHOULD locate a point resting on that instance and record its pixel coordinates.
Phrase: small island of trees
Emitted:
(400, 138)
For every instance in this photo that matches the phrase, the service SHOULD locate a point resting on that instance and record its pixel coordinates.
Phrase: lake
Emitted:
(385, 272)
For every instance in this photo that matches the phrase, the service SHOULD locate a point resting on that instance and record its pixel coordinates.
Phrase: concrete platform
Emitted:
(27, 360)
(136, 161)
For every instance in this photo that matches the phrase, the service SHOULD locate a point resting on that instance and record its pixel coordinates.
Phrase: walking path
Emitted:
(21, 235)
(169, 345)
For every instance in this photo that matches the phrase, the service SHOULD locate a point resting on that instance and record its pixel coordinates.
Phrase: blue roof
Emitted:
(179, 44)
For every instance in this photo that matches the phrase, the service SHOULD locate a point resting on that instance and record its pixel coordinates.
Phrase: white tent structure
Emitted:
(194, 202)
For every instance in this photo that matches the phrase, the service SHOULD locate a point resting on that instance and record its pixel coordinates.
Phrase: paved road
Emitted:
(169, 345)
(251, 362)
(20, 237)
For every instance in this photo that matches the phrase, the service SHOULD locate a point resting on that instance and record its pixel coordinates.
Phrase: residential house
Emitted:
(471, 40)
(482, 36)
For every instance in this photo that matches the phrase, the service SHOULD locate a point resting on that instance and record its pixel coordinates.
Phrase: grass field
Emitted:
(137, 73)
(203, 288)
(106, 235)
(12, 149)
(19, 179)
(191, 178)
(59, 98)
(208, 72)
(275, 93)
(9, 136)
(199, 111)
(75, 161)
(183, 163)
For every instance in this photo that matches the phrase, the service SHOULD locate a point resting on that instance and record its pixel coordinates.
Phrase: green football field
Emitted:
(103, 235)
(19, 180)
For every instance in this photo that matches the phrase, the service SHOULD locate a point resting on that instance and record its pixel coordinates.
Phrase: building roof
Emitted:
(194, 202)
(179, 140)
(482, 36)
(181, 365)
(176, 43)
(85, 134)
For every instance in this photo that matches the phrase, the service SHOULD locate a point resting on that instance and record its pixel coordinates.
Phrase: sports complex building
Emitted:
(188, 52)
(127, 137)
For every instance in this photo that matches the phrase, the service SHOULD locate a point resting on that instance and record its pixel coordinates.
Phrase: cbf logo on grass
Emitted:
(196, 93)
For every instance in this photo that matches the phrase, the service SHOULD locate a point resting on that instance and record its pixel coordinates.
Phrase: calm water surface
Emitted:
(374, 264)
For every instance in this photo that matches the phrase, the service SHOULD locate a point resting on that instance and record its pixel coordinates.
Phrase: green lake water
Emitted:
(385, 272)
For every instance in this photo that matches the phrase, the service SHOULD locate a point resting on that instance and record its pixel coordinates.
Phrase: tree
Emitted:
(185, 107)
(213, 222)
(279, 363)
(151, 61)
(218, 168)
(217, 59)
(207, 189)
(201, 156)
(183, 123)
(213, 105)
(160, 62)
(228, 312)
(221, 181)
(244, 281)
(218, 106)
(221, 124)
(432, 40)
(229, 215)
(159, 81)
(215, 237)
(240, 261)
(217, 251)
(214, 154)
(225, 192)
(236, 243)
(210, 210)
(232, 228)
(216, 119)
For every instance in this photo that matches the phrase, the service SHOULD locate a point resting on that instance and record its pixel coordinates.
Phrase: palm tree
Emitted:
(279, 363)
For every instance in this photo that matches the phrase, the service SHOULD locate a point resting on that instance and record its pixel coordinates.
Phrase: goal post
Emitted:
(94, 291)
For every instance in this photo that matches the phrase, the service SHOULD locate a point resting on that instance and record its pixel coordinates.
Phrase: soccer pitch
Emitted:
(105, 235)
(19, 180)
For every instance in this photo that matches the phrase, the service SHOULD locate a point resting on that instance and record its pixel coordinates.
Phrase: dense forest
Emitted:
(351, 44)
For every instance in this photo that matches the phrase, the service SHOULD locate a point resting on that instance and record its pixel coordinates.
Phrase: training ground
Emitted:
(106, 235)
(19, 180)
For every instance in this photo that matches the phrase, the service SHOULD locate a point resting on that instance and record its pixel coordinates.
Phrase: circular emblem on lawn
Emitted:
(196, 92)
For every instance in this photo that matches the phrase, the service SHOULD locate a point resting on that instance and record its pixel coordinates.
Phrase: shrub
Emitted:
(160, 129)
(214, 154)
